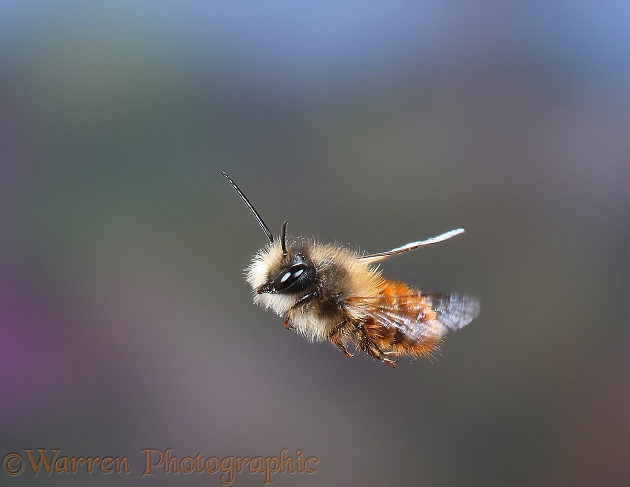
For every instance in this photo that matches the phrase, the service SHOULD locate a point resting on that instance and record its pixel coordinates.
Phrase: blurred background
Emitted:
(125, 322)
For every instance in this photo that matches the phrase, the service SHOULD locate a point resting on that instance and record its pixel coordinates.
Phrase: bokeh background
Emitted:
(125, 322)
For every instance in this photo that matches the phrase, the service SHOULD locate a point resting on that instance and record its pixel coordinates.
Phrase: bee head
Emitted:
(279, 280)
(278, 270)
(294, 277)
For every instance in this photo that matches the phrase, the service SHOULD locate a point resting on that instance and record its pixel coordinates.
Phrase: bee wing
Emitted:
(419, 316)
(410, 246)
(454, 311)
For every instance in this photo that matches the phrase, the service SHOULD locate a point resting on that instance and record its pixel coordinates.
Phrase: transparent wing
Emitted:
(411, 246)
(454, 310)
(419, 315)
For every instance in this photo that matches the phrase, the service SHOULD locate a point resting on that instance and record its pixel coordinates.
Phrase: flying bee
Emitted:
(329, 292)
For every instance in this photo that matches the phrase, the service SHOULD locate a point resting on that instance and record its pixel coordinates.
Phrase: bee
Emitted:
(329, 292)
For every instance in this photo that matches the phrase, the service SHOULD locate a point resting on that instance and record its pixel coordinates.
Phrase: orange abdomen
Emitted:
(403, 321)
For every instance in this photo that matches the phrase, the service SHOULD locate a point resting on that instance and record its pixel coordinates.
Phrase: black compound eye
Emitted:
(288, 277)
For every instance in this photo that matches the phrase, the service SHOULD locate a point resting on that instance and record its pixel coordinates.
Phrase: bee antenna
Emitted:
(283, 237)
(252, 209)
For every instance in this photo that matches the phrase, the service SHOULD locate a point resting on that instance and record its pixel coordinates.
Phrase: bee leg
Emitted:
(343, 349)
(303, 299)
(335, 337)
(366, 343)
(388, 361)
(375, 351)
(288, 324)
(382, 356)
